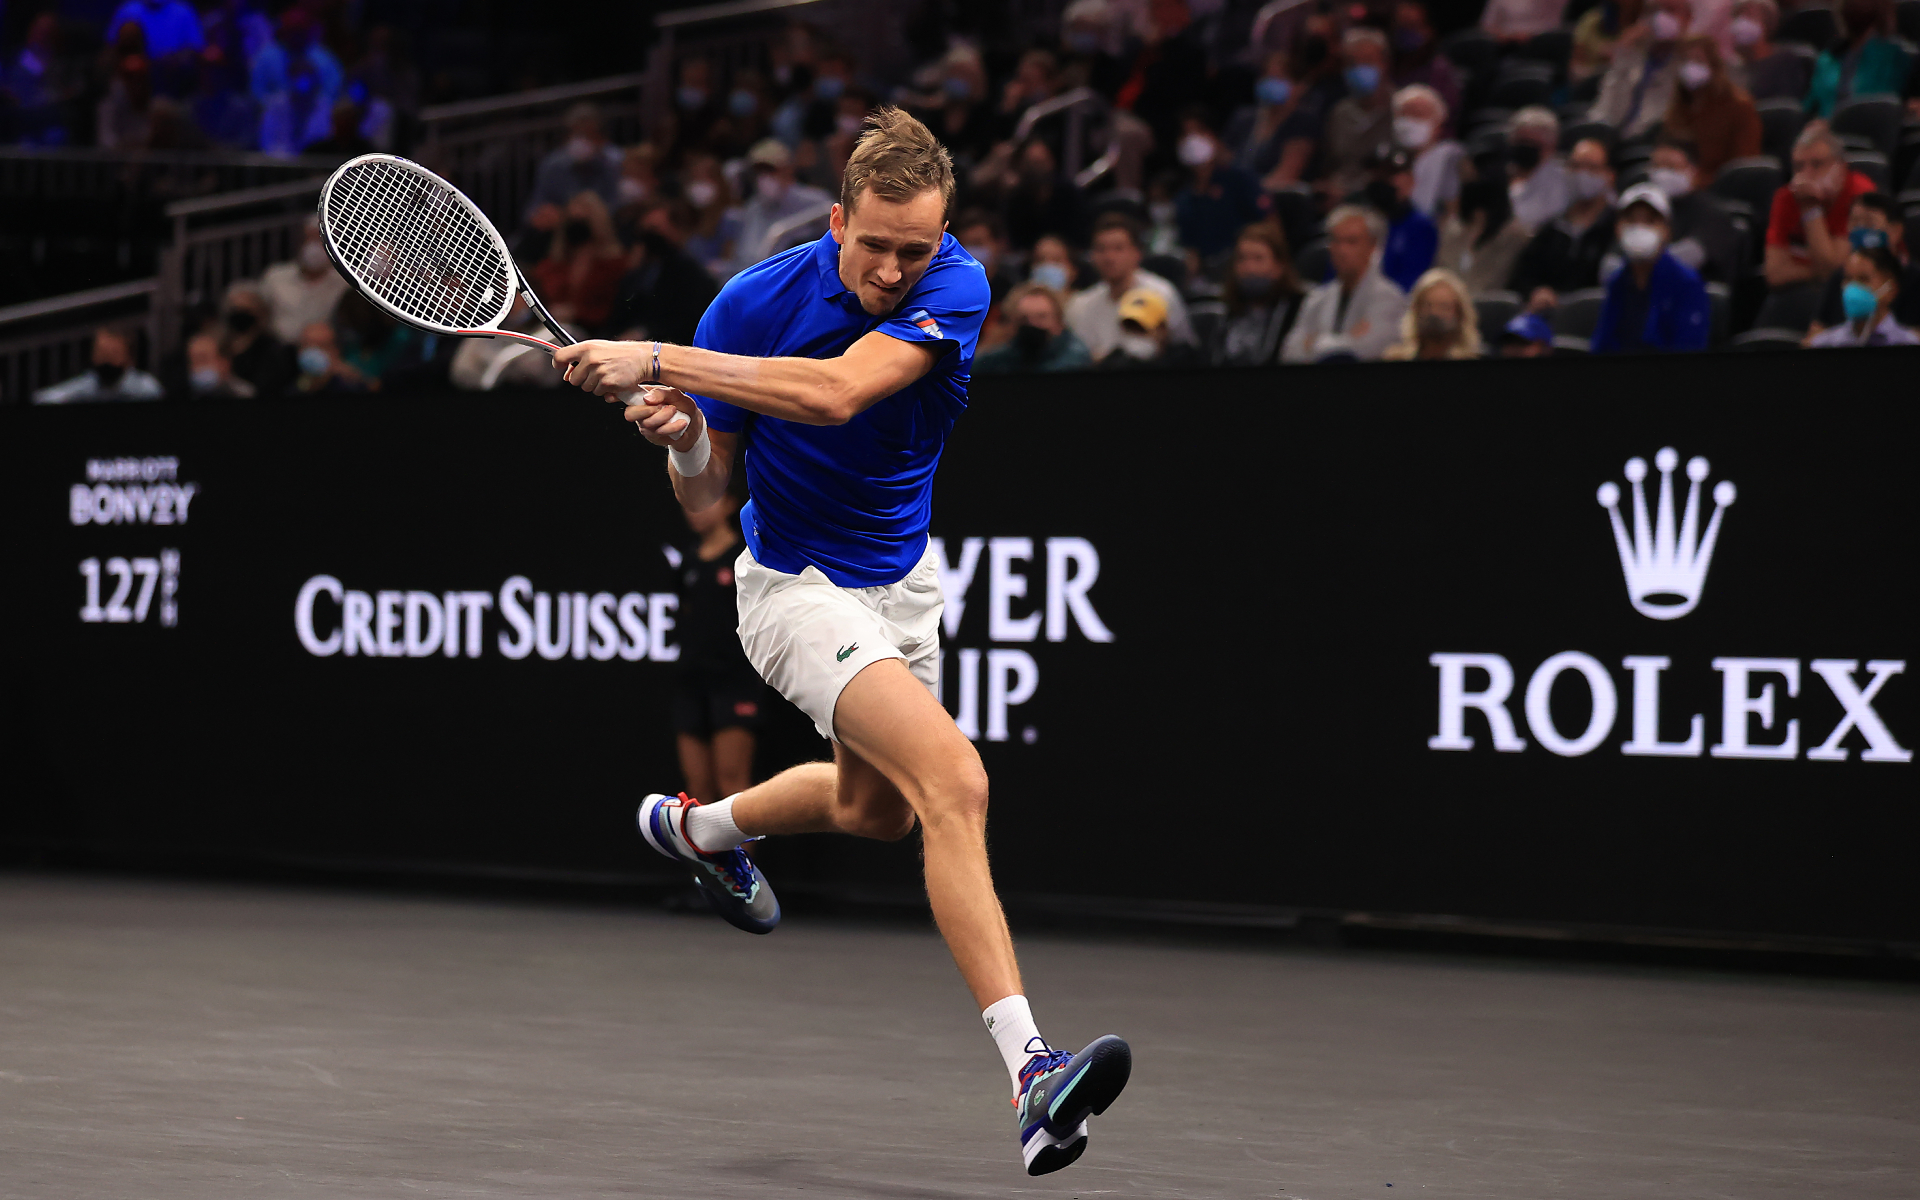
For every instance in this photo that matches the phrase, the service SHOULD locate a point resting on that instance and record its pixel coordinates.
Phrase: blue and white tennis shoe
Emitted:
(1059, 1091)
(729, 880)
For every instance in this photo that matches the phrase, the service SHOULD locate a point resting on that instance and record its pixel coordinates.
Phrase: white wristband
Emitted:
(689, 463)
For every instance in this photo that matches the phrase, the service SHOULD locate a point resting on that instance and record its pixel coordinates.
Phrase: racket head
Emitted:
(416, 246)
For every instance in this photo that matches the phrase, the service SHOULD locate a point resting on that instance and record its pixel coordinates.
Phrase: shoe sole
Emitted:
(1101, 1072)
(1057, 1157)
(647, 809)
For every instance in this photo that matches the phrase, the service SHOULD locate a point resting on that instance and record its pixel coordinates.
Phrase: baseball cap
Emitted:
(769, 152)
(1528, 327)
(1649, 195)
(1144, 307)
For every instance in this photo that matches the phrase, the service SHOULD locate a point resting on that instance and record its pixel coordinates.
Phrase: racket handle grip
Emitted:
(679, 425)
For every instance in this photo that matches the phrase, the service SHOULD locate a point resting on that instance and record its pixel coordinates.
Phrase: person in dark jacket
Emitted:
(1041, 340)
(1655, 302)
(1565, 254)
(665, 291)
(1262, 296)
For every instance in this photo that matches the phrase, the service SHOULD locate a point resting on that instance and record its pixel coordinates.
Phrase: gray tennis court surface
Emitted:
(185, 1041)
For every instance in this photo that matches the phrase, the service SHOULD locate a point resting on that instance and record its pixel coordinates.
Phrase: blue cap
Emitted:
(1530, 327)
(1868, 239)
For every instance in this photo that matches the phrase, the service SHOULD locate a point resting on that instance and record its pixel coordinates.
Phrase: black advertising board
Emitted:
(1348, 638)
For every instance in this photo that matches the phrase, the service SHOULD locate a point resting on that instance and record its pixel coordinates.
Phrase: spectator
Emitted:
(1872, 288)
(380, 348)
(745, 122)
(1091, 40)
(483, 364)
(696, 109)
(123, 119)
(1262, 296)
(1041, 340)
(1419, 120)
(345, 140)
(584, 163)
(304, 291)
(1539, 189)
(253, 353)
(776, 198)
(1412, 236)
(1146, 338)
(639, 177)
(210, 373)
(1356, 314)
(112, 376)
(1565, 254)
(959, 115)
(715, 239)
(1163, 216)
(221, 107)
(1874, 223)
(1704, 234)
(665, 290)
(1041, 200)
(1527, 336)
(1515, 21)
(295, 80)
(1806, 231)
(1655, 302)
(581, 273)
(1094, 314)
(1218, 198)
(170, 27)
(1481, 241)
(1417, 61)
(1765, 70)
(985, 237)
(1034, 80)
(1361, 123)
(1596, 35)
(1051, 264)
(37, 84)
(1169, 73)
(1709, 110)
(1440, 321)
(1637, 88)
(1869, 58)
(1275, 138)
(321, 367)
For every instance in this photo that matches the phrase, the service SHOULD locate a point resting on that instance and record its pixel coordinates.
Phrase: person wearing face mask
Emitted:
(1596, 35)
(1480, 241)
(1051, 264)
(1417, 61)
(1538, 185)
(1807, 229)
(1440, 321)
(1515, 21)
(249, 345)
(715, 238)
(1040, 339)
(777, 197)
(1094, 314)
(832, 76)
(1704, 234)
(1146, 336)
(982, 235)
(209, 376)
(580, 275)
(584, 162)
(1356, 314)
(1275, 137)
(1874, 223)
(1419, 118)
(1655, 302)
(1765, 70)
(1170, 74)
(1218, 199)
(1638, 86)
(1709, 110)
(1262, 298)
(1565, 254)
(321, 367)
(665, 290)
(1364, 120)
(1868, 59)
(1041, 200)
(302, 291)
(1872, 286)
(111, 377)
(1412, 237)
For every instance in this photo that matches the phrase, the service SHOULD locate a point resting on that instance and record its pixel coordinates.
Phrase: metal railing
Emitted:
(219, 239)
(790, 232)
(62, 345)
(1078, 104)
(86, 173)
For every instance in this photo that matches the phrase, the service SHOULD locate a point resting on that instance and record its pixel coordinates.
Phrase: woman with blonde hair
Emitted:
(1709, 109)
(1439, 321)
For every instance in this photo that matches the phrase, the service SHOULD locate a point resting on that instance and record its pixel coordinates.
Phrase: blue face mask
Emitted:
(1054, 275)
(314, 360)
(1273, 92)
(958, 88)
(1362, 79)
(743, 102)
(691, 97)
(1859, 301)
(829, 87)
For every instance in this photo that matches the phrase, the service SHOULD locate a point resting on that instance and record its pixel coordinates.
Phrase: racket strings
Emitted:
(408, 239)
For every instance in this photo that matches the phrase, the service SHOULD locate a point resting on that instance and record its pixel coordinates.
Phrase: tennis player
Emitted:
(835, 371)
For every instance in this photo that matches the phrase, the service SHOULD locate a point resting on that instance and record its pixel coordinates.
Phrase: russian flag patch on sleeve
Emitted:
(924, 320)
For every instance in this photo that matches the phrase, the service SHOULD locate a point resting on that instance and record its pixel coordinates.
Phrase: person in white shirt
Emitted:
(303, 291)
(1094, 314)
(112, 377)
(1357, 312)
(1419, 114)
(1539, 187)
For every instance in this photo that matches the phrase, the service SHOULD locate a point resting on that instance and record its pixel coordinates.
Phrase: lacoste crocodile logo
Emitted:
(845, 651)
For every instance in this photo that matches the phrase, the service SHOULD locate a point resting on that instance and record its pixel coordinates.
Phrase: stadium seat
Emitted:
(1568, 344)
(1906, 18)
(1206, 317)
(1906, 159)
(1811, 26)
(1170, 267)
(1876, 118)
(1520, 85)
(1298, 211)
(1554, 48)
(1472, 49)
(1751, 181)
(1578, 312)
(1766, 339)
(1873, 165)
(1720, 299)
(1580, 131)
(1313, 263)
(1781, 120)
(1493, 310)
(1790, 308)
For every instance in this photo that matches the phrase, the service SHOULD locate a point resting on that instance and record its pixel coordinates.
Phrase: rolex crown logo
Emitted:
(1665, 568)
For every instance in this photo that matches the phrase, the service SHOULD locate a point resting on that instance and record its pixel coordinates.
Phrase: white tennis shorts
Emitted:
(808, 637)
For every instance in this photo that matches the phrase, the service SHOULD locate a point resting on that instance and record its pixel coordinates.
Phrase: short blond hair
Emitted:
(898, 158)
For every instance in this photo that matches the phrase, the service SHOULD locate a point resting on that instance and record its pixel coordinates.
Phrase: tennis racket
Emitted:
(423, 253)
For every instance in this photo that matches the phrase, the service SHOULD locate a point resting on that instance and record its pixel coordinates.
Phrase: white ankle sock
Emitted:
(711, 829)
(1010, 1022)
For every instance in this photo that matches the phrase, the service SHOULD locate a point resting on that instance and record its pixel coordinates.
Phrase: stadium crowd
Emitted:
(1303, 181)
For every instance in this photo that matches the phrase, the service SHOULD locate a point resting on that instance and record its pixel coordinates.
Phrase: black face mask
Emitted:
(1031, 340)
(108, 374)
(1525, 155)
(1384, 197)
(579, 233)
(242, 320)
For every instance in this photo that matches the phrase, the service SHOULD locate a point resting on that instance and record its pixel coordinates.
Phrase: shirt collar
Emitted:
(826, 256)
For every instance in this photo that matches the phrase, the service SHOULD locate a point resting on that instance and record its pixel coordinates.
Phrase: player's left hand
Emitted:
(660, 407)
(604, 368)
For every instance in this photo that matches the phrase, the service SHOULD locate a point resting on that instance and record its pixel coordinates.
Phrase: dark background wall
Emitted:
(1272, 616)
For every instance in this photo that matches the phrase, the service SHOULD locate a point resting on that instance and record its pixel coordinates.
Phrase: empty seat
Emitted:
(1720, 301)
(1876, 118)
(1874, 166)
(1493, 310)
(1811, 26)
(1313, 262)
(1767, 339)
(1781, 120)
(1751, 181)
(1578, 312)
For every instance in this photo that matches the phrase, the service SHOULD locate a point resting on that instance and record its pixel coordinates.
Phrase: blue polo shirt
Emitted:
(853, 500)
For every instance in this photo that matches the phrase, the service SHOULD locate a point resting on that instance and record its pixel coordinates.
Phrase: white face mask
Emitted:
(1196, 150)
(1138, 345)
(848, 123)
(1671, 180)
(1666, 26)
(1641, 242)
(1746, 31)
(769, 187)
(1695, 75)
(1053, 274)
(702, 192)
(313, 258)
(1162, 212)
(1412, 132)
(632, 191)
(579, 149)
(1586, 185)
